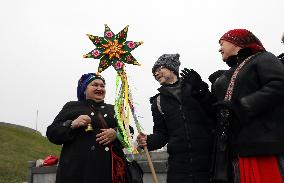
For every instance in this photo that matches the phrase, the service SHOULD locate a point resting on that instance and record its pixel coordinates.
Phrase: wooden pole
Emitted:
(150, 163)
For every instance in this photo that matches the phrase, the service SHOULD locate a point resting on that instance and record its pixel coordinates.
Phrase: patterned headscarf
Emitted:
(83, 83)
(244, 39)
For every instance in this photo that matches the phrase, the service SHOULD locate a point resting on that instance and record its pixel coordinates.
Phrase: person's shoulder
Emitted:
(265, 54)
(215, 75)
(107, 105)
(107, 108)
(154, 98)
(73, 103)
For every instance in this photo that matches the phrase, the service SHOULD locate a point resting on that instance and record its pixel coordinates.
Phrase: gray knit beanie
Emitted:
(170, 61)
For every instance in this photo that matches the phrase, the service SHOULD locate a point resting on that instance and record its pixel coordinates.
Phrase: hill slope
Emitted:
(18, 146)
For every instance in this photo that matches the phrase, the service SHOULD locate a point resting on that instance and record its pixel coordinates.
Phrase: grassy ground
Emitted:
(17, 147)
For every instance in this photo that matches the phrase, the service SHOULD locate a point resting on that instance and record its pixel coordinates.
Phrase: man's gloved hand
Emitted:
(192, 77)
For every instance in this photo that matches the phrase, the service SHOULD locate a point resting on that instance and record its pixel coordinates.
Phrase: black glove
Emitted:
(235, 109)
(192, 77)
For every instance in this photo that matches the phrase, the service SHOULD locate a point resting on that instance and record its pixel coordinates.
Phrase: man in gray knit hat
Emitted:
(181, 121)
(171, 63)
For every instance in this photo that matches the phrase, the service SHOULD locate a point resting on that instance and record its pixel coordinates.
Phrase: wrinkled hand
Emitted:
(106, 136)
(192, 77)
(142, 139)
(82, 120)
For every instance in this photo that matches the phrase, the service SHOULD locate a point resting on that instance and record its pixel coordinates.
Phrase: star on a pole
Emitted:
(113, 49)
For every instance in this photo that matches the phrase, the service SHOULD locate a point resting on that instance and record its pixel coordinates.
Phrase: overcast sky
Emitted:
(42, 43)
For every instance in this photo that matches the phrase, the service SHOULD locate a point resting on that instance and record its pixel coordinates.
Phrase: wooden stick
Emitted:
(151, 165)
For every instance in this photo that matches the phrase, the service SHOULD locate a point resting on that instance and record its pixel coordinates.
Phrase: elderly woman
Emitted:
(87, 130)
(250, 109)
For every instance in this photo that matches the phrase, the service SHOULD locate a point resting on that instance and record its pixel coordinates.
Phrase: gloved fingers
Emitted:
(183, 75)
(187, 73)
(186, 70)
(195, 73)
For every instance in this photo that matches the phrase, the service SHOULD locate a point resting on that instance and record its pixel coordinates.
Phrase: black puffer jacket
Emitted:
(184, 125)
(259, 91)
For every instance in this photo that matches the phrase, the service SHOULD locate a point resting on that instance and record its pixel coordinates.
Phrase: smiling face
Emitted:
(228, 49)
(165, 76)
(96, 90)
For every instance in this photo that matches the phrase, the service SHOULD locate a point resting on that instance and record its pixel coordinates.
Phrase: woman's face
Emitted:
(96, 90)
(228, 49)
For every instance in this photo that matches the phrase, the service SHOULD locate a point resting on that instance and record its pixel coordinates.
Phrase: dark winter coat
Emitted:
(257, 127)
(82, 159)
(187, 129)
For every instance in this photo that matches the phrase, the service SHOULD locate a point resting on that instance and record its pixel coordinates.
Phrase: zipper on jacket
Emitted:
(186, 127)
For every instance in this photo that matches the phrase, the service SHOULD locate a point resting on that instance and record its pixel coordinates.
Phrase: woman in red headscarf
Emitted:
(250, 111)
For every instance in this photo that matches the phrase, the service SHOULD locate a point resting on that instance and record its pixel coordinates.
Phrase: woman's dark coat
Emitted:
(257, 126)
(82, 159)
(186, 127)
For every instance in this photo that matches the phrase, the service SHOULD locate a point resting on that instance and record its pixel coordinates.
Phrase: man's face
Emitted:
(164, 76)
(96, 90)
(228, 49)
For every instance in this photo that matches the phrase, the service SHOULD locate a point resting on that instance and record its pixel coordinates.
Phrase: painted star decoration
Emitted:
(113, 49)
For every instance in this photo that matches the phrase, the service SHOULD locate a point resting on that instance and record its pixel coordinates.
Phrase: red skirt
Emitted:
(260, 169)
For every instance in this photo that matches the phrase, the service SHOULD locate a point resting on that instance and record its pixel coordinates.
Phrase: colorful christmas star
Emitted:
(113, 50)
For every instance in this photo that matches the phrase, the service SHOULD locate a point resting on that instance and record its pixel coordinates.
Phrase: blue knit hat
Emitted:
(83, 83)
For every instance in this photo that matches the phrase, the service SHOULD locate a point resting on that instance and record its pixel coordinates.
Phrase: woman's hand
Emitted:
(106, 136)
(82, 120)
(142, 139)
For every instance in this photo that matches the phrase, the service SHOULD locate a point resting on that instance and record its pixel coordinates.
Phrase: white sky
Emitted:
(42, 43)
